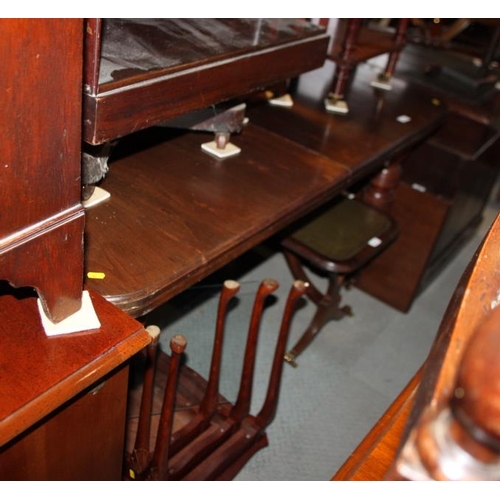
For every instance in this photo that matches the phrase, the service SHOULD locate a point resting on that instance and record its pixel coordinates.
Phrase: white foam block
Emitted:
(285, 101)
(98, 196)
(381, 84)
(229, 150)
(336, 106)
(84, 319)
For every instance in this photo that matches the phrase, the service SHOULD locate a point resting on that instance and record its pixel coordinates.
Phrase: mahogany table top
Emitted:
(380, 124)
(177, 214)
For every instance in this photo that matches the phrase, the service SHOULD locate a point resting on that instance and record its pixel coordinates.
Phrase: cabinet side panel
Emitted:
(40, 99)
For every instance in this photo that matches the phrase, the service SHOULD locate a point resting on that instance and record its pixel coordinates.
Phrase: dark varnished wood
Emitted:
(445, 185)
(189, 64)
(62, 366)
(343, 52)
(480, 104)
(336, 242)
(80, 441)
(369, 135)
(41, 227)
(354, 43)
(367, 43)
(248, 433)
(177, 214)
(45, 392)
(420, 217)
(230, 435)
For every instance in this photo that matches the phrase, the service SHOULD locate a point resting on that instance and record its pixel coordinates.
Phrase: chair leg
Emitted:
(208, 405)
(225, 462)
(159, 464)
(266, 414)
(242, 406)
(327, 304)
(138, 461)
(223, 424)
(328, 309)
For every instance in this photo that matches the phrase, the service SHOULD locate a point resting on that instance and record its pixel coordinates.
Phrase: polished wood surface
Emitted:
(80, 441)
(40, 373)
(480, 103)
(40, 208)
(445, 185)
(152, 70)
(177, 214)
(369, 135)
(354, 42)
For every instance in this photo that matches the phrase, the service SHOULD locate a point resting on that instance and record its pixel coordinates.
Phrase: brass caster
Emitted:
(382, 82)
(290, 359)
(347, 311)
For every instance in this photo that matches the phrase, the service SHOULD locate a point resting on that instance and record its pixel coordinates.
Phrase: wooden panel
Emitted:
(394, 276)
(82, 441)
(40, 151)
(40, 127)
(465, 137)
(176, 214)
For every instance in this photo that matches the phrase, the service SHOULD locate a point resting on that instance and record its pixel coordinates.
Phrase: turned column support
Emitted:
(381, 190)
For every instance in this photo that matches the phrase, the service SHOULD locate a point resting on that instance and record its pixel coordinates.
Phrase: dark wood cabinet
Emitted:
(63, 398)
(41, 217)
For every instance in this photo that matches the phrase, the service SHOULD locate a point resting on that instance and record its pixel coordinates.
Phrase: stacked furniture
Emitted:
(355, 42)
(174, 215)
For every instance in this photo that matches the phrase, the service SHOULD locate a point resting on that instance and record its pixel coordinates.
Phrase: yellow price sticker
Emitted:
(95, 275)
